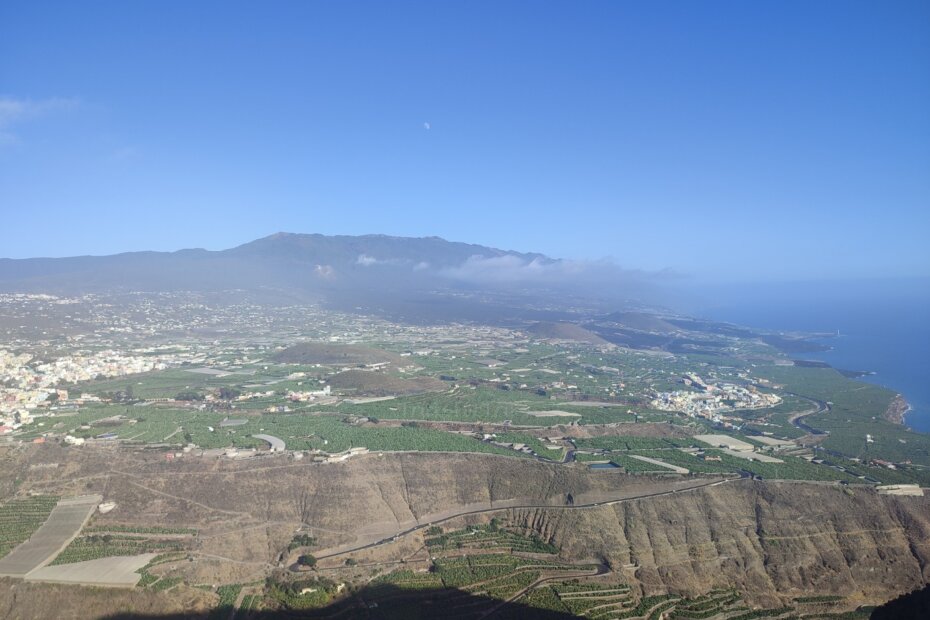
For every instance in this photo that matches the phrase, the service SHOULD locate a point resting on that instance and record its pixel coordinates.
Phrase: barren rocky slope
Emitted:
(764, 538)
(770, 540)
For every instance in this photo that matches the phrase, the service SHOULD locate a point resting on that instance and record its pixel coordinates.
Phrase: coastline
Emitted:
(897, 410)
(885, 332)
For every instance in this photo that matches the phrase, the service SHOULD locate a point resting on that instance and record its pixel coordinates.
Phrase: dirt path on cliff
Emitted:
(392, 533)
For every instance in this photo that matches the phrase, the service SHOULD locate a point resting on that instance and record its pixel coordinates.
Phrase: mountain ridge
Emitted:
(404, 278)
(267, 261)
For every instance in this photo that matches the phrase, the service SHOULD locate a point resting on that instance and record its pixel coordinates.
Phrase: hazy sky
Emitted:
(744, 139)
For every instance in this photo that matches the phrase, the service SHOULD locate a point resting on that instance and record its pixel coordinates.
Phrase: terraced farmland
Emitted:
(96, 546)
(55, 531)
(488, 537)
(604, 601)
(20, 518)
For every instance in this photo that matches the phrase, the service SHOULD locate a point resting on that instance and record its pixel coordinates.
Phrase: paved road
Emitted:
(795, 419)
(62, 525)
(277, 445)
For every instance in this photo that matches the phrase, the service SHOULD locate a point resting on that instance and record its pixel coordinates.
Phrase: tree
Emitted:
(189, 395)
(307, 560)
(227, 393)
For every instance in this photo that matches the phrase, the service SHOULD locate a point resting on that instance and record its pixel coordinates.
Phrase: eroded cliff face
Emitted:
(770, 540)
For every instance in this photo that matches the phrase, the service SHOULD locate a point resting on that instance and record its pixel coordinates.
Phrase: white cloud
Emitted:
(509, 268)
(367, 261)
(14, 111)
(325, 272)
(600, 275)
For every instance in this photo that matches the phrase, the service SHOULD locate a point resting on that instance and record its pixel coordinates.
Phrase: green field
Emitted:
(96, 546)
(532, 443)
(634, 443)
(20, 518)
(488, 537)
(856, 410)
(535, 378)
(300, 431)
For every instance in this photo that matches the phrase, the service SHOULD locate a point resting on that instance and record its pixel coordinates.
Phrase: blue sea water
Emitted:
(885, 331)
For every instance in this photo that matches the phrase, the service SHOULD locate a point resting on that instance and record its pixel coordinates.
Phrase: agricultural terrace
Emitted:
(96, 546)
(20, 518)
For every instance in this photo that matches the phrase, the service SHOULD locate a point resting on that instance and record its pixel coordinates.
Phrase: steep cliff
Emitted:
(770, 540)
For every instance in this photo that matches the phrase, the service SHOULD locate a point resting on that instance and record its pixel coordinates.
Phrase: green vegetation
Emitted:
(819, 599)
(250, 602)
(227, 595)
(580, 599)
(762, 613)
(635, 466)
(707, 606)
(634, 443)
(147, 579)
(301, 540)
(464, 571)
(157, 582)
(532, 442)
(488, 537)
(409, 580)
(96, 546)
(793, 468)
(166, 583)
(189, 395)
(505, 588)
(301, 594)
(546, 599)
(590, 386)
(856, 410)
(900, 475)
(20, 518)
(299, 431)
(136, 529)
(599, 601)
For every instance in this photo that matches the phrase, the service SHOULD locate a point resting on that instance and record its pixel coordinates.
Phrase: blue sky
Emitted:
(730, 140)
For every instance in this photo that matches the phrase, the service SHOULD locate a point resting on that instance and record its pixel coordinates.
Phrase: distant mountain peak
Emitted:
(370, 270)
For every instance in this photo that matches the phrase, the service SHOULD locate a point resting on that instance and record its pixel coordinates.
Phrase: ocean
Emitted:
(883, 328)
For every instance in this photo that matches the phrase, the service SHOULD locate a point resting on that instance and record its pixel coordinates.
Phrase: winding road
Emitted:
(820, 407)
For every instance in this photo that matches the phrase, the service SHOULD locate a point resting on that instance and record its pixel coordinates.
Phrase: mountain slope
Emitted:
(307, 262)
